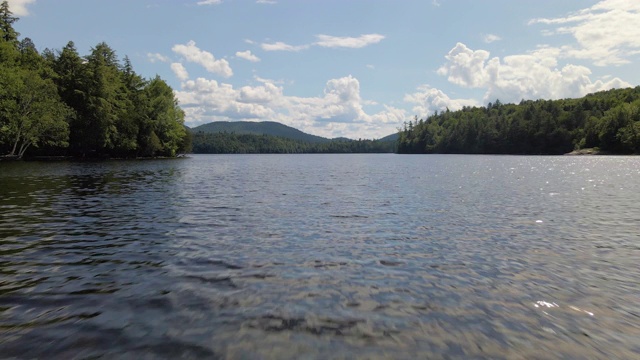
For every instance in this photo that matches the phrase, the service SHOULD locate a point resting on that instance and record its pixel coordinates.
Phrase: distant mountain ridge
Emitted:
(268, 128)
(259, 128)
(393, 137)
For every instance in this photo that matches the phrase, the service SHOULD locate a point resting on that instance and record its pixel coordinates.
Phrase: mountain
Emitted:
(392, 137)
(258, 128)
(270, 128)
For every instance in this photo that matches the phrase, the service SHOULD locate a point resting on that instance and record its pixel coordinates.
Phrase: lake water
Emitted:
(321, 256)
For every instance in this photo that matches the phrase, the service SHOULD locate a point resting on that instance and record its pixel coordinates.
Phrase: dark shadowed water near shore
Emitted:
(321, 256)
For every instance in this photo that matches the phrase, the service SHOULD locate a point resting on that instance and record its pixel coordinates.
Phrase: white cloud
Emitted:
(180, 72)
(341, 102)
(19, 7)
(428, 100)
(205, 100)
(348, 42)
(259, 94)
(209, 2)
(435, 3)
(193, 54)
(370, 66)
(466, 67)
(390, 115)
(247, 55)
(268, 2)
(154, 57)
(280, 46)
(489, 38)
(327, 41)
(606, 33)
(264, 81)
(533, 75)
(338, 112)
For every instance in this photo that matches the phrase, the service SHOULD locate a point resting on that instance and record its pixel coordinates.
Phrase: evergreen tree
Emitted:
(31, 113)
(94, 104)
(7, 32)
(608, 120)
(71, 80)
(166, 131)
(104, 102)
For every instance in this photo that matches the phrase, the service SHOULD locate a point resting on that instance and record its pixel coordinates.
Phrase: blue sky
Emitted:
(355, 68)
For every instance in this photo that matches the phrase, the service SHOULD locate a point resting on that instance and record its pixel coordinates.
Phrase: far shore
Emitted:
(89, 159)
(589, 151)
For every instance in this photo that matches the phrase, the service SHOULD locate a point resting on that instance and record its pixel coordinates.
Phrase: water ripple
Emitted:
(351, 256)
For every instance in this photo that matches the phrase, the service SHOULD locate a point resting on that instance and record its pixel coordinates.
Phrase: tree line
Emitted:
(232, 143)
(607, 120)
(59, 103)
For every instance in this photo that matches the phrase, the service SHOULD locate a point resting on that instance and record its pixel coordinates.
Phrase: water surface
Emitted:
(321, 256)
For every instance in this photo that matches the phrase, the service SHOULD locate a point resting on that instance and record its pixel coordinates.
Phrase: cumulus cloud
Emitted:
(466, 67)
(19, 7)
(338, 112)
(528, 76)
(606, 33)
(259, 94)
(209, 2)
(247, 55)
(428, 100)
(489, 38)
(155, 57)
(280, 46)
(195, 55)
(205, 100)
(390, 116)
(180, 71)
(341, 102)
(348, 42)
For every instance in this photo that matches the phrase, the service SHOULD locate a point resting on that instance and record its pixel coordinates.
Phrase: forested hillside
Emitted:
(232, 143)
(268, 137)
(96, 106)
(258, 128)
(608, 120)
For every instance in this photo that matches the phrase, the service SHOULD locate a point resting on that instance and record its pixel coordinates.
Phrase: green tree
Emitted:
(71, 80)
(7, 32)
(94, 104)
(607, 120)
(104, 103)
(133, 112)
(31, 113)
(166, 120)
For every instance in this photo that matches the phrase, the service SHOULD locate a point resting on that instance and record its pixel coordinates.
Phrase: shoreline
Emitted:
(80, 159)
(590, 151)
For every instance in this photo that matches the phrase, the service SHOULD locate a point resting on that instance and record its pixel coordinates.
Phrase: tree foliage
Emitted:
(608, 120)
(92, 106)
(232, 143)
(31, 113)
(7, 32)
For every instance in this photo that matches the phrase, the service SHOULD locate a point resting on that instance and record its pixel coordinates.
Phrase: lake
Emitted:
(321, 256)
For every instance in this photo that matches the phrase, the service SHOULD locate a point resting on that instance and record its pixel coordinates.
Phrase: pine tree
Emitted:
(7, 32)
